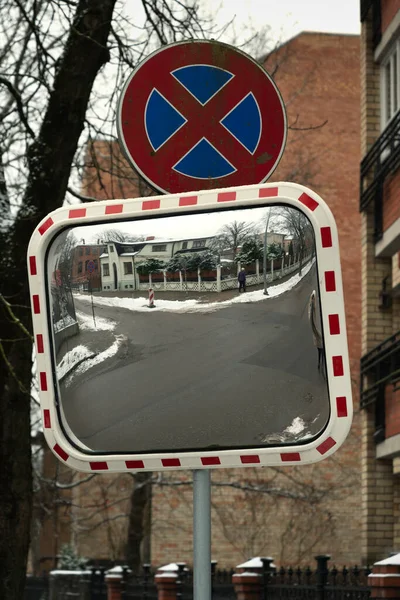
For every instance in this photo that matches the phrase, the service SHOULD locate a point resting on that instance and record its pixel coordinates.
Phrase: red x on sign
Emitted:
(201, 115)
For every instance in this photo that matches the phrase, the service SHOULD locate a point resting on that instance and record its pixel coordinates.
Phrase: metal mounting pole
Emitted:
(202, 535)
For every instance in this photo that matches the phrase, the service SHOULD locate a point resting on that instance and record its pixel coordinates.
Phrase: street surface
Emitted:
(241, 376)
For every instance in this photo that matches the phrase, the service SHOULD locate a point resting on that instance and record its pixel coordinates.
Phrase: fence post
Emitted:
(165, 280)
(251, 582)
(113, 581)
(166, 586)
(199, 278)
(247, 585)
(266, 574)
(179, 580)
(258, 270)
(272, 269)
(218, 278)
(384, 580)
(322, 574)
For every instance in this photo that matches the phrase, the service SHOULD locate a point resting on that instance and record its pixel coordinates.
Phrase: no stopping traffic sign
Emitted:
(201, 115)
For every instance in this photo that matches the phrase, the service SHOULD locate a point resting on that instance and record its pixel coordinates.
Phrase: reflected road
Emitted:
(238, 376)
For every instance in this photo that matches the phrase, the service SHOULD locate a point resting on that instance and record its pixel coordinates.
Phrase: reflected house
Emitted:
(81, 278)
(120, 260)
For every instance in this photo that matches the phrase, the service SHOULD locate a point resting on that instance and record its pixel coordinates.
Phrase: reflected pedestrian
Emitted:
(242, 280)
(317, 336)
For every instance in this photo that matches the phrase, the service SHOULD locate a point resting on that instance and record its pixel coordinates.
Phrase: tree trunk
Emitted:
(139, 527)
(49, 161)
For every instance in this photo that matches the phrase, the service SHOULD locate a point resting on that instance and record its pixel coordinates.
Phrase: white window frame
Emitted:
(392, 58)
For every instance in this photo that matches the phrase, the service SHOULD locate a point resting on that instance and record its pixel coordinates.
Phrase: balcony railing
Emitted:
(381, 366)
(382, 159)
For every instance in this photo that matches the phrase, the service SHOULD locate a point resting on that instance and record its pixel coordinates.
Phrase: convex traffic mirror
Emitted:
(195, 330)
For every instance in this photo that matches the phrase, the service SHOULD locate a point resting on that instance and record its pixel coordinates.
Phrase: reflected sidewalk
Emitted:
(193, 295)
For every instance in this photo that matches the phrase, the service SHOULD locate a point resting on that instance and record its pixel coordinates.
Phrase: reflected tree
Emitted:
(232, 236)
(252, 250)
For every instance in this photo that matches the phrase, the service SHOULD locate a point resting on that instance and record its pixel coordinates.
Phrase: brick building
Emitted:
(380, 209)
(302, 511)
(81, 276)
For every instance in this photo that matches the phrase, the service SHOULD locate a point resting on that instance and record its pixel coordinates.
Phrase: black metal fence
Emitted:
(36, 588)
(320, 583)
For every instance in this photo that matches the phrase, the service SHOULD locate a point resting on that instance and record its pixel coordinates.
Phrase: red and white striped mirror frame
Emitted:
(333, 317)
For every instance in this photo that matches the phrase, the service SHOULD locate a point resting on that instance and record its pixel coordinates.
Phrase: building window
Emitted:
(199, 244)
(87, 250)
(80, 251)
(390, 85)
(184, 245)
(95, 264)
(128, 270)
(111, 248)
(106, 270)
(159, 248)
(86, 264)
(79, 267)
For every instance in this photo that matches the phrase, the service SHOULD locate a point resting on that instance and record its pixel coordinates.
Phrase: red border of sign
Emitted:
(154, 72)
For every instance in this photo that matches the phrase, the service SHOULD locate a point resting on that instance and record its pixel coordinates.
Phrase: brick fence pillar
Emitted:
(247, 585)
(113, 579)
(252, 578)
(166, 586)
(384, 580)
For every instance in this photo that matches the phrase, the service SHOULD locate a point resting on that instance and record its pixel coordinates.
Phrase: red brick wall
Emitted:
(392, 406)
(389, 9)
(391, 203)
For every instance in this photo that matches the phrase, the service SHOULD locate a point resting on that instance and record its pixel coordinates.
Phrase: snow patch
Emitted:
(87, 323)
(297, 426)
(254, 563)
(98, 358)
(71, 359)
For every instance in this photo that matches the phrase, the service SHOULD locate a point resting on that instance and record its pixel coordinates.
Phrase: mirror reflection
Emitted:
(189, 332)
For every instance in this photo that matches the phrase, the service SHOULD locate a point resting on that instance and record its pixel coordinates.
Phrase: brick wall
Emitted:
(389, 10)
(391, 205)
(392, 402)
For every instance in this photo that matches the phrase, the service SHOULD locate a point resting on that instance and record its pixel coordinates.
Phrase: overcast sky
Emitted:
(200, 225)
(287, 18)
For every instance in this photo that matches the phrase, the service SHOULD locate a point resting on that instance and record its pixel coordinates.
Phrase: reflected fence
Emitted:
(256, 579)
(222, 278)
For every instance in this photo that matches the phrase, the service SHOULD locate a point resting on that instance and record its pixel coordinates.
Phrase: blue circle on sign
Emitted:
(91, 266)
(203, 160)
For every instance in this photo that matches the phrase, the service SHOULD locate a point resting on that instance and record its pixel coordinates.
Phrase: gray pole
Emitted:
(202, 534)
(265, 255)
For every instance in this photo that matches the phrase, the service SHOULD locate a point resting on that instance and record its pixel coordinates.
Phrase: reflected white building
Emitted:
(120, 261)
